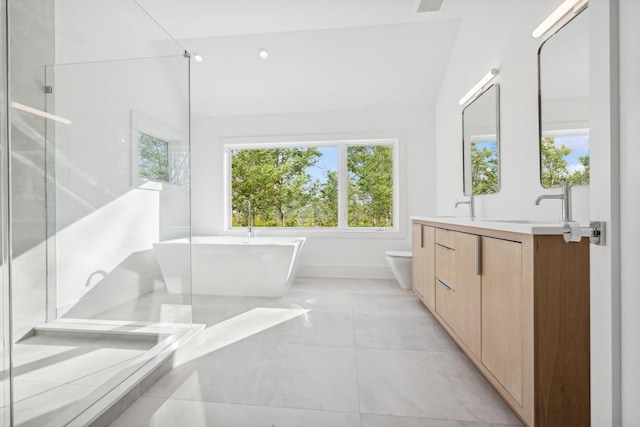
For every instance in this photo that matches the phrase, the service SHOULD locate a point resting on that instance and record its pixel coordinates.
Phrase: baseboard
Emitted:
(345, 271)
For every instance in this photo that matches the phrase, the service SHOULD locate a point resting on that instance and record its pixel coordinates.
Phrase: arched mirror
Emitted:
(481, 143)
(563, 71)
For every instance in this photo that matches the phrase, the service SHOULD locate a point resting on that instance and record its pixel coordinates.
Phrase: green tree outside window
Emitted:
(153, 158)
(286, 190)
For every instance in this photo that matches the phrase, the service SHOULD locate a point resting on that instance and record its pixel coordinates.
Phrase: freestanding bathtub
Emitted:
(229, 265)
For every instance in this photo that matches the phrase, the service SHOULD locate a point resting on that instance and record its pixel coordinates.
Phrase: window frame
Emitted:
(342, 229)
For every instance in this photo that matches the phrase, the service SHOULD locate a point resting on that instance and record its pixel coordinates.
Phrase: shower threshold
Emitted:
(75, 370)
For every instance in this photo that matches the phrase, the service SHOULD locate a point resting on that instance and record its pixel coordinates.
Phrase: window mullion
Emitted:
(342, 186)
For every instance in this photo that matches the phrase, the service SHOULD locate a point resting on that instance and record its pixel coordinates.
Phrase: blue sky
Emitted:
(491, 145)
(328, 162)
(579, 145)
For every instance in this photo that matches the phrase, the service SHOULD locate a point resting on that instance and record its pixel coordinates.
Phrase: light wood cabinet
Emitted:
(445, 300)
(458, 285)
(518, 306)
(502, 313)
(423, 272)
(468, 303)
(419, 261)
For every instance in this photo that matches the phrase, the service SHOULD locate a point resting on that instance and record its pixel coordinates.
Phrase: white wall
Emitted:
(502, 39)
(629, 208)
(355, 255)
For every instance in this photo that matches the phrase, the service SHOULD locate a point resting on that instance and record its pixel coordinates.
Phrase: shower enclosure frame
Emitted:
(121, 379)
(5, 226)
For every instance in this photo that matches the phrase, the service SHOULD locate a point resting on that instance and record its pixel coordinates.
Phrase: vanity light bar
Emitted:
(571, 7)
(478, 87)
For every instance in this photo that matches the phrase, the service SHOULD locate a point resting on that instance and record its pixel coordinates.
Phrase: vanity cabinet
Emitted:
(458, 285)
(423, 276)
(502, 318)
(518, 305)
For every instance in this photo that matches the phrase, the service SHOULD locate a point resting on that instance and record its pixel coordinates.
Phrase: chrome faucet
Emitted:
(247, 206)
(566, 201)
(470, 202)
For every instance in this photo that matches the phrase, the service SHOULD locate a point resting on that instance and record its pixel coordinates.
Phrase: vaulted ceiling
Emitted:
(328, 55)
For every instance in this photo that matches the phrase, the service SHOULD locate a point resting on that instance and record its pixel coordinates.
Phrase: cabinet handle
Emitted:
(444, 247)
(444, 284)
(422, 236)
(479, 255)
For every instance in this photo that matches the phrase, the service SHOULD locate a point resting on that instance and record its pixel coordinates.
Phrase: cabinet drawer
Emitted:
(446, 238)
(445, 265)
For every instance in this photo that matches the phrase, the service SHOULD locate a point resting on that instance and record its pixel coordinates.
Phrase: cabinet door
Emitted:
(423, 275)
(502, 335)
(468, 290)
(418, 261)
(429, 260)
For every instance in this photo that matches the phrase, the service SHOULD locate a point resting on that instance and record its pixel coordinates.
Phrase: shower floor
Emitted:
(51, 373)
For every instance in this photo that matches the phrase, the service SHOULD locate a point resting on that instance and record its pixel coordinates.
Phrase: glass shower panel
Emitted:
(5, 336)
(117, 194)
(120, 139)
(99, 177)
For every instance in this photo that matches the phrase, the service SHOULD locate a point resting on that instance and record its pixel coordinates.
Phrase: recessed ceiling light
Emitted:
(263, 53)
(198, 58)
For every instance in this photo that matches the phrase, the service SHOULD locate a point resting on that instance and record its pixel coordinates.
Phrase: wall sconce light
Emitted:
(478, 87)
(568, 10)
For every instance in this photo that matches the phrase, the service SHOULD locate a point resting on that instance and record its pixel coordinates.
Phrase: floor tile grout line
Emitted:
(479, 422)
(355, 358)
(253, 405)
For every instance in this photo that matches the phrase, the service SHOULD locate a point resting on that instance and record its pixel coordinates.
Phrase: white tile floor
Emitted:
(366, 353)
(52, 373)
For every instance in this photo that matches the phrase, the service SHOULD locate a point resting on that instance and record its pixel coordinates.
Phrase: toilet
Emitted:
(400, 263)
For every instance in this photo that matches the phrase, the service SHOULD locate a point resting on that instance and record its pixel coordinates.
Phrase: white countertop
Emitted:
(514, 226)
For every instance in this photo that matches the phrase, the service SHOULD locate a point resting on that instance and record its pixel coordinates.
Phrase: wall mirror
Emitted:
(563, 72)
(481, 143)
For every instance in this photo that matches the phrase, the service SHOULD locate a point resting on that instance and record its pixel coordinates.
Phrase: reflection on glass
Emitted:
(484, 167)
(564, 105)
(480, 123)
(565, 158)
(153, 158)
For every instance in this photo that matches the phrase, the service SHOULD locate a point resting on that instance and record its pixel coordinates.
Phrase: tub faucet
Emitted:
(566, 201)
(470, 202)
(247, 206)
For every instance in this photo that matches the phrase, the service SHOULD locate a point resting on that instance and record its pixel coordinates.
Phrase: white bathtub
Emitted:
(228, 265)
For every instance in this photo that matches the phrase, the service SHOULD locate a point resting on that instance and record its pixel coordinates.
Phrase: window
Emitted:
(370, 194)
(153, 158)
(158, 153)
(564, 157)
(338, 185)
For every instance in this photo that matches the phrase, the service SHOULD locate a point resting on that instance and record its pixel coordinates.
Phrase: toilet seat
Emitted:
(400, 254)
